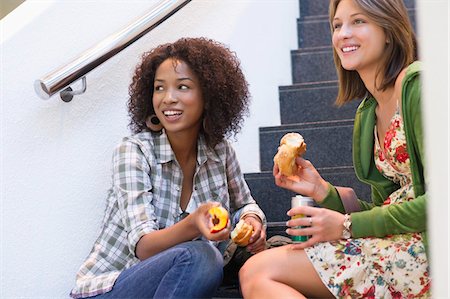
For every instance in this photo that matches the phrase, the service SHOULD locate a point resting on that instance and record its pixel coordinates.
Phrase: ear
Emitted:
(152, 122)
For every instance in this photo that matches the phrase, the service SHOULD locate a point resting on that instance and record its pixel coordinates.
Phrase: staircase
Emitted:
(307, 107)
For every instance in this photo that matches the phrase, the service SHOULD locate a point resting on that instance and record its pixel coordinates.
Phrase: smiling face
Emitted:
(358, 41)
(177, 97)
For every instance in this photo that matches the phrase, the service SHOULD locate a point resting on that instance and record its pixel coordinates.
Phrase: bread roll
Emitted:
(292, 145)
(242, 233)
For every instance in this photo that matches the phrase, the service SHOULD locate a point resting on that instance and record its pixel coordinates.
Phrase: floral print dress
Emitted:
(395, 266)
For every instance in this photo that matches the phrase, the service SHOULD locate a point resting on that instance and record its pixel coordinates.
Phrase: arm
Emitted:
(380, 221)
(408, 216)
(189, 228)
(242, 204)
(132, 183)
(344, 200)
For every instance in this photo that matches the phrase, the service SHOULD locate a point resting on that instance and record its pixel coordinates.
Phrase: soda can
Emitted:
(298, 201)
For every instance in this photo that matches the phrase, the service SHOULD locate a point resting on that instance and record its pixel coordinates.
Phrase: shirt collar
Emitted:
(165, 154)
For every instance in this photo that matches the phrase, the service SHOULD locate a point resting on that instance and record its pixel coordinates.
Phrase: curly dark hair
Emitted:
(224, 87)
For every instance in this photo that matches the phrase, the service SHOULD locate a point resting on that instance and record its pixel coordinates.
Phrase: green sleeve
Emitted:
(380, 221)
(377, 220)
(408, 216)
(333, 201)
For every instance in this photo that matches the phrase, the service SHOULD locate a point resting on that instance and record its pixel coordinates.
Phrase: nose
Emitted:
(169, 97)
(345, 31)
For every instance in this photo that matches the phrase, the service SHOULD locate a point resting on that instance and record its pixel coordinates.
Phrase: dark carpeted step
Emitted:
(313, 32)
(313, 65)
(328, 142)
(311, 8)
(276, 201)
(312, 102)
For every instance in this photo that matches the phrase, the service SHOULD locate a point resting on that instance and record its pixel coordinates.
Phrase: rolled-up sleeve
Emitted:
(132, 184)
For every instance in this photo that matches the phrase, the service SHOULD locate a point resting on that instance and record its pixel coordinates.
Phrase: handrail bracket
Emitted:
(68, 93)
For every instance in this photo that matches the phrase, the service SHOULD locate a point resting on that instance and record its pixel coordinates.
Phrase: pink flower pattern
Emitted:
(395, 266)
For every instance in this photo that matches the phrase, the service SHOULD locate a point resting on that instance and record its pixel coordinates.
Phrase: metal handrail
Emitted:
(59, 79)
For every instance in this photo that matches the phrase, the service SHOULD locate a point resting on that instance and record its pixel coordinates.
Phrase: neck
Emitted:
(184, 146)
(383, 97)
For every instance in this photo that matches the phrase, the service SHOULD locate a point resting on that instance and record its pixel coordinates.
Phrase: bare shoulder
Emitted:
(398, 85)
(399, 80)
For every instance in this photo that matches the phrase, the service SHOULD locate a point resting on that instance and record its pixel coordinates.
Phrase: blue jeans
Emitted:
(192, 269)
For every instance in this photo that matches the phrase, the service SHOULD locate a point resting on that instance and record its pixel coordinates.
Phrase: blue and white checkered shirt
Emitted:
(145, 195)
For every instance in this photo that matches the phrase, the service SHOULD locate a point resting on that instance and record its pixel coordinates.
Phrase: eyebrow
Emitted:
(352, 15)
(179, 79)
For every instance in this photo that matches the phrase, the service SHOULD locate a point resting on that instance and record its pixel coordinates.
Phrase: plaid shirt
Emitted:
(145, 195)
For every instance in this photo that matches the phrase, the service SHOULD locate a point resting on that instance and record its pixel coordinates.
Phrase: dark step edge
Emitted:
(306, 125)
(410, 7)
(313, 18)
(321, 170)
(308, 85)
(315, 50)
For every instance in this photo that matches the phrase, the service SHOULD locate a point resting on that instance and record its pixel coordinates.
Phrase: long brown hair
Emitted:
(392, 16)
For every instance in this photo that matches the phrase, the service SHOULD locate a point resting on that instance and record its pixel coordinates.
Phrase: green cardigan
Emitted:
(373, 219)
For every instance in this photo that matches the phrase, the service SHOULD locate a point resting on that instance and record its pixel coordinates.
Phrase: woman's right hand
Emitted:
(202, 221)
(306, 181)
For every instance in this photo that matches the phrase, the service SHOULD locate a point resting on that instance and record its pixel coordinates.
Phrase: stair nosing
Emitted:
(313, 16)
(324, 170)
(323, 123)
(312, 50)
(313, 19)
(309, 85)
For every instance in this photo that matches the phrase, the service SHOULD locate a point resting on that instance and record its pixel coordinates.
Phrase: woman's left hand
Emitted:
(257, 241)
(321, 225)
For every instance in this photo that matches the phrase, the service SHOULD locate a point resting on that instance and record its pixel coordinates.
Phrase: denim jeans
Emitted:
(192, 269)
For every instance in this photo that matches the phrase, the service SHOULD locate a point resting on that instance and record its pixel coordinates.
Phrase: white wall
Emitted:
(55, 156)
(434, 41)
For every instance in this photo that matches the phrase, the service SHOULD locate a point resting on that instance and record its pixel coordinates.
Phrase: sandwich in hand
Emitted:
(292, 145)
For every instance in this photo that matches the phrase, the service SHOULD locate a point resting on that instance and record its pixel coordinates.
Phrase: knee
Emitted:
(202, 251)
(247, 274)
(206, 261)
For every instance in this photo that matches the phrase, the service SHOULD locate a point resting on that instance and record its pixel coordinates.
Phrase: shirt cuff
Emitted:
(332, 200)
(254, 210)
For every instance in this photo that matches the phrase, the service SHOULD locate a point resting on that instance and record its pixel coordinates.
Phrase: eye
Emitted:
(336, 26)
(359, 21)
(183, 87)
(158, 88)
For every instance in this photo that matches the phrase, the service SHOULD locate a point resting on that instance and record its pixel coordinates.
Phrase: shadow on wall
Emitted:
(7, 6)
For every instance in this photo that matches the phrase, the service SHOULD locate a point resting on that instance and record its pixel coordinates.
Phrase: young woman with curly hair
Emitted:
(156, 239)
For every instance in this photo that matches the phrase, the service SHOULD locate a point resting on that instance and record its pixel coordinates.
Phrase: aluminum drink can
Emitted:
(298, 201)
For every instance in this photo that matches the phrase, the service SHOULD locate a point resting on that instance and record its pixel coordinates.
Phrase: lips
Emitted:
(172, 115)
(172, 112)
(349, 49)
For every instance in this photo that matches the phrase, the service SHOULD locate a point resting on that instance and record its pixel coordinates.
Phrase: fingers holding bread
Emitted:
(242, 233)
(292, 145)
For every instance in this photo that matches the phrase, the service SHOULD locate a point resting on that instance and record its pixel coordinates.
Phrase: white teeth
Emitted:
(349, 49)
(170, 113)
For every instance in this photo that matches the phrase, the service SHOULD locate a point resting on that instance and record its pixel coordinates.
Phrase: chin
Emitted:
(348, 67)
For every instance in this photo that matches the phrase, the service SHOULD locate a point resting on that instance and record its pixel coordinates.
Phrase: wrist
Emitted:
(193, 224)
(347, 231)
(250, 215)
(322, 191)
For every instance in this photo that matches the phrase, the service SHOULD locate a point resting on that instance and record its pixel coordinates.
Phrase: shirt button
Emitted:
(195, 188)
(177, 188)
